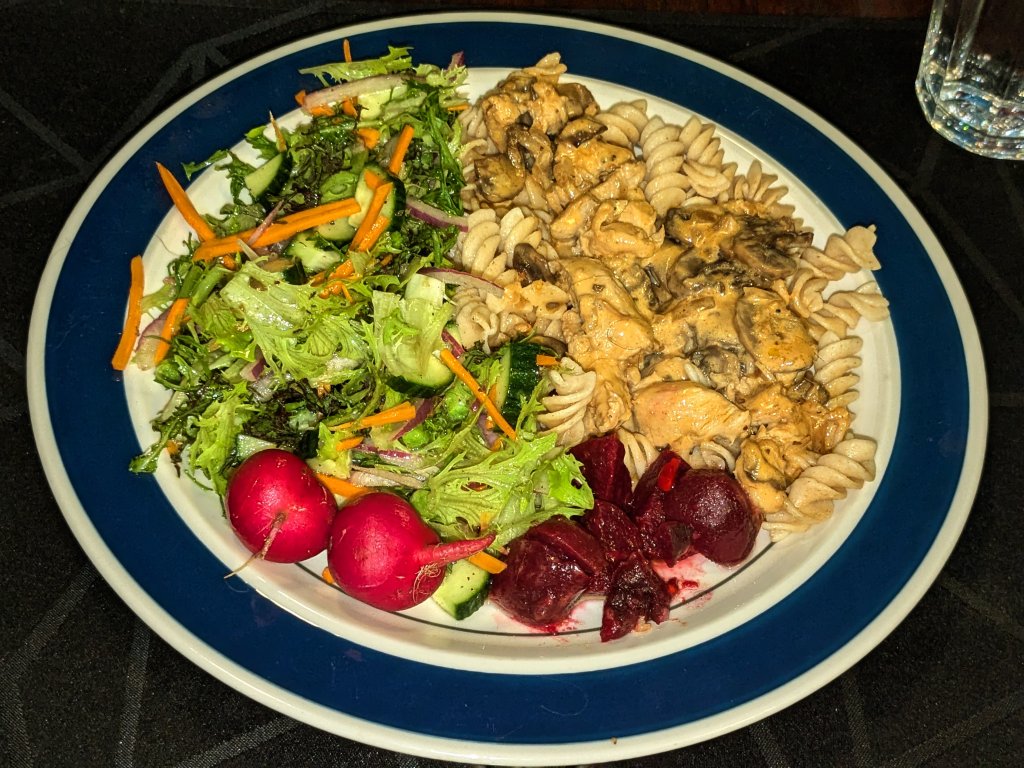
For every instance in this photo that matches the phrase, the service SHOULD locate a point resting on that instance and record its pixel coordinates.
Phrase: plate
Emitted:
(766, 639)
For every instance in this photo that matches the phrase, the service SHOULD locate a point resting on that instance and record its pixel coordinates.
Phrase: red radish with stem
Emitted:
(278, 508)
(381, 552)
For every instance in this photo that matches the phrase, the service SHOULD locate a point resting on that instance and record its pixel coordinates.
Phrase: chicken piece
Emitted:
(579, 168)
(684, 414)
(760, 472)
(773, 334)
(606, 326)
(804, 424)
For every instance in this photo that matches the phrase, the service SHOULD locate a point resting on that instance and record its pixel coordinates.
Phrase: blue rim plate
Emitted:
(869, 584)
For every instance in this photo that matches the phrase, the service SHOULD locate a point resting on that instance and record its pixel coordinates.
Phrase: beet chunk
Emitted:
(618, 535)
(662, 537)
(604, 467)
(548, 569)
(717, 509)
(636, 594)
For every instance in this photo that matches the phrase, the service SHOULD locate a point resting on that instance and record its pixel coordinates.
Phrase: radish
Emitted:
(381, 552)
(278, 508)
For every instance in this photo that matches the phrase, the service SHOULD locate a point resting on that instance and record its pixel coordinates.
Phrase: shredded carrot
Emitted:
(546, 361)
(123, 353)
(467, 378)
(278, 135)
(380, 225)
(173, 447)
(340, 487)
(349, 108)
(280, 230)
(457, 107)
(184, 205)
(380, 194)
(395, 415)
(401, 147)
(372, 179)
(300, 97)
(346, 50)
(175, 316)
(344, 290)
(326, 576)
(487, 562)
(370, 136)
(347, 444)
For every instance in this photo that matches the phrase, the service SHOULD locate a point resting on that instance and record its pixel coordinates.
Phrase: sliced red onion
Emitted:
(351, 90)
(372, 476)
(489, 435)
(458, 60)
(402, 459)
(264, 387)
(148, 341)
(269, 219)
(424, 409)
(254, 370)
(465, 279)
(452, 343)
(434, 216)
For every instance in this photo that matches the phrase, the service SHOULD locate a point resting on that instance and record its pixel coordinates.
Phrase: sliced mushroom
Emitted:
(580, 130)
(578, 99)
(499, 178)
(762, 255)
(530, 264)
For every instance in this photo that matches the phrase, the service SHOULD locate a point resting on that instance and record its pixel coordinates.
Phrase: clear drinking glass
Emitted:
(971, 80)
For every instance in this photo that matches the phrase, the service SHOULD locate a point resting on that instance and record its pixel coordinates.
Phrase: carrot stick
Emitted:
(487, 562)
(395, 415)
(280, 230)
(340, 487)
(457, 107)
(172, 323)
(546, 361)
(184, 205)
(370, 136)
(372, 179)
(401, 147)
(326, 576)
(348, 107)
(347, 444)
(380, 194)
(346, 50)
(373, 234)
(123, 353)
(474, 386)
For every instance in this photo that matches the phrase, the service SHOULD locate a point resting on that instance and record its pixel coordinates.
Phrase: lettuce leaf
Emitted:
(506, 492)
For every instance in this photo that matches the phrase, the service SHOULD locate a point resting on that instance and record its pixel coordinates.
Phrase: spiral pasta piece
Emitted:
(567, 406)
(665, 185)
(550, 67)
(811, 497)
(711, 455)
(835, 367)
(640, 451)
(843, 254)
(479, 248)
(624, 122)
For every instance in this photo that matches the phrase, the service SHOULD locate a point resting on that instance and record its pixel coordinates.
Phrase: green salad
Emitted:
(312, 313)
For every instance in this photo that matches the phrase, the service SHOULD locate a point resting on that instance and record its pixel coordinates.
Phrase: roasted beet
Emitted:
(618, 535)
(636, 594)
(547, 570)
(662, 537)
(715, 507)
(604, 467)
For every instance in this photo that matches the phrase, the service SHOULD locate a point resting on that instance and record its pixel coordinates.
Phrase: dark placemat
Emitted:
(84, 683)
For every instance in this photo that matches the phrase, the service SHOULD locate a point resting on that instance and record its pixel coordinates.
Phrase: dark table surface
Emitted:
(83, 682)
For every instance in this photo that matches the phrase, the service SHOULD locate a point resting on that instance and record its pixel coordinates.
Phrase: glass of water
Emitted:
(971, 80)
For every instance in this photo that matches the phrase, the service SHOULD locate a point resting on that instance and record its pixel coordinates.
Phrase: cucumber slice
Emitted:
(364, 193)
(337, 231)
(463, 590)
(425, 288)
(518, 377)
(269, 178)
(402, 360)
(314, 256)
